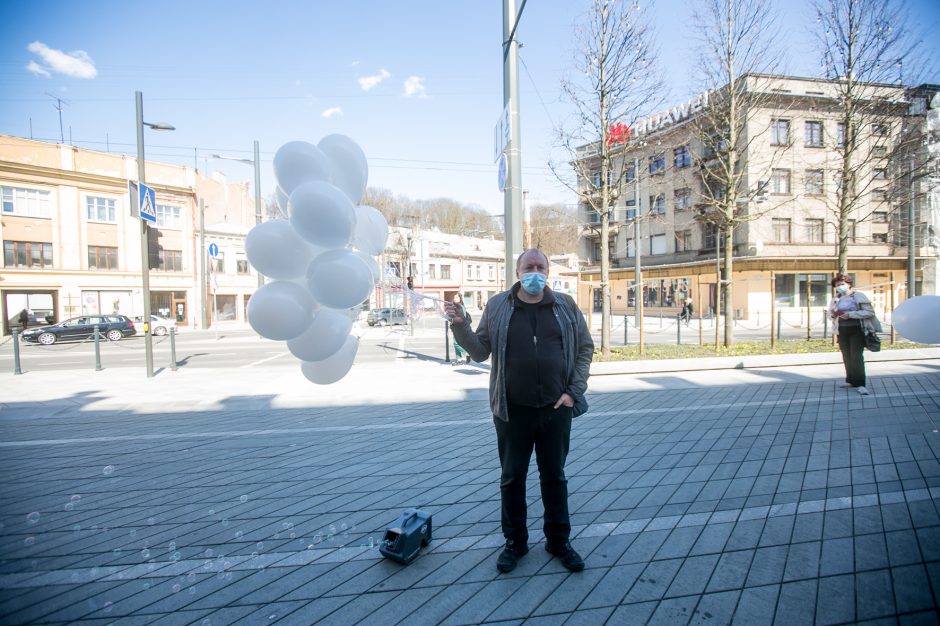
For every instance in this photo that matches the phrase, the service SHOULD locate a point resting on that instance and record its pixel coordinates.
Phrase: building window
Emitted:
(879, 237)
(26, 202)
(629, 173)
(779, 132)
(100, 209)
(683, 240)
(879, 195)
(172, 261)
(781, 228)
(682, 157)
(813, 182)
(241, 264)
(683, 199)
(780, 181)
(814, 231)
(596, 251)
(30, 254)
(840, 135)
(850, 231)
(445, 271)
(478, 272)
(709, 236)
(813, 135)
(432, 271)
(469, 272)
(879, 173)
(657, 244)
(630, 250)
(879, 151)
(219, 263)
(879, 130)
(491, 272)
(658, 203)
(880, 217)
(168, 216)
(657, 164)
(102, 258)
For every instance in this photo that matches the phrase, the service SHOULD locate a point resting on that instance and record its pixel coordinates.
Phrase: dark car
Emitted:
(114, 327)
(386, 317)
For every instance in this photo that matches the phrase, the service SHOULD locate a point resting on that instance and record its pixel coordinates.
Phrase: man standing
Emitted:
(541, 352)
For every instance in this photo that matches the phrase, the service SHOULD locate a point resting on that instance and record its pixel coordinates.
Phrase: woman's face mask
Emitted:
(842, 289)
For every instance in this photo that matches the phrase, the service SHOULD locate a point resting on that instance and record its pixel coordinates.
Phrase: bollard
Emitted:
(678, 331)
(173, 348)
(779, 317)
(624, 329)
(98, 367)
(16, 352)
(447, 341)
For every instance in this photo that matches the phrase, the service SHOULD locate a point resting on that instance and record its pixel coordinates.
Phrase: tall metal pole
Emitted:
(512, 196)
(144, 243)
(637, 263)
(258, 198)
(911, 282)
(203, 269)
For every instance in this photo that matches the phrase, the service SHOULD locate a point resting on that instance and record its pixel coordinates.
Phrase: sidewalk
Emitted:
(748, 489)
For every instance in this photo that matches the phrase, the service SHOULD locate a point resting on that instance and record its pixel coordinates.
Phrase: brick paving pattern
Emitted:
(793, 502)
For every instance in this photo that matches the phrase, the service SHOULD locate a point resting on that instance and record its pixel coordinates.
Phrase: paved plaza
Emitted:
(740, 493)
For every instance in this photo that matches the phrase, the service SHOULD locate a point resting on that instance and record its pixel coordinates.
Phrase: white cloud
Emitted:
(330, 112)
(368, 82)
(37, 69)
(76, 64)
(354, 64)
(414, 86)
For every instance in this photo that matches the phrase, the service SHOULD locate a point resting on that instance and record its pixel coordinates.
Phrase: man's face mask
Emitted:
(533, 283)
(842, 288)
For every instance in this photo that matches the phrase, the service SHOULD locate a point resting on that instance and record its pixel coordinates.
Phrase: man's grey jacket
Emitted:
(489, 340)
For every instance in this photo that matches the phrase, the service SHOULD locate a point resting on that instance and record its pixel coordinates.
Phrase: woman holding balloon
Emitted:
(852, 315)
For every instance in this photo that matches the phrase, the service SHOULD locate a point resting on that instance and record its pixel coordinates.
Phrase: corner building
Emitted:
(790, 158)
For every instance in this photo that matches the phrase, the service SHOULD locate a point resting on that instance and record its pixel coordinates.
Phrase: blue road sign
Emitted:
(147, 201)
(213, 250)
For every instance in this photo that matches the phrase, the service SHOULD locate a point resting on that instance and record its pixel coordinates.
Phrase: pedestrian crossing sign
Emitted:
(147, 201)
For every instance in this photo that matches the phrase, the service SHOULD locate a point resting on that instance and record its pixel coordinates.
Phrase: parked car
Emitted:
(114, 327)
(160, 325)
(386, 317)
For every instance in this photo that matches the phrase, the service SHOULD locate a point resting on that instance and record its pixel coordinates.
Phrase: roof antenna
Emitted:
(59, 103)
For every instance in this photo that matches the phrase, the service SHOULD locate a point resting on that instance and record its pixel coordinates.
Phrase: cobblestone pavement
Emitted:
(752, 496)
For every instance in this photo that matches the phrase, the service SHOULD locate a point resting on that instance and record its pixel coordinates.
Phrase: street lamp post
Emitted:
(144, 243)
(256, 163)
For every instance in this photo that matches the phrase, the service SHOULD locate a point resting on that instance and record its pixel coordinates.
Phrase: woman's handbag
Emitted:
(873, 342)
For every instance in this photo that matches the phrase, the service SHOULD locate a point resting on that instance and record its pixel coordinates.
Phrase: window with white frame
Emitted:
(631, 252)
(780, 181)
(657, 164)
(779, 132)
(658, 203)
(657, 244)
(629, 174)
(880, 217)
(478, 272)
(879, 195)
(241, 263)
(26, 202)
(631, 209)
(850, 231)
(813, 134)
(683, 240)
(813, 182)
(781, 230)
(491, 272)
(469, 272)
(445, 271)
(879, 130)
(879, 237)
(814, 230)
(683, 199)
(169, 216)
(840, 135)
(432, 271)
(879, 173)
(98, 209)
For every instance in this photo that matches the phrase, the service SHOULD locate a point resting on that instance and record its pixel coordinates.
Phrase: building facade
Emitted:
(72, 245)
(786, 248)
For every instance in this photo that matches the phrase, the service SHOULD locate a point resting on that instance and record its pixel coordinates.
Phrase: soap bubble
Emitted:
(244, 499)
(108, 470)
(32, 519)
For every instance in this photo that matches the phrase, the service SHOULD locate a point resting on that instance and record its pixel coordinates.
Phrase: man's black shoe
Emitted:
(509, 557)
(569, 557)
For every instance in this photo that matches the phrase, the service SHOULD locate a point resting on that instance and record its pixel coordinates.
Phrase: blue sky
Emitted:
(417, 83)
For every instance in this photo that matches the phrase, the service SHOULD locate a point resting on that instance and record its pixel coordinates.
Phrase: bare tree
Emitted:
(614, 83)
(865, 45)
(737, 62)
(553, 228)
(444, 214)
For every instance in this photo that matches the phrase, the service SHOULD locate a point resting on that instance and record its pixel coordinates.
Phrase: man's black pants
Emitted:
(852, 344)
(548, 431)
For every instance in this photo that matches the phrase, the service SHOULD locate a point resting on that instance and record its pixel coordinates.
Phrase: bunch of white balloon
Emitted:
(321, 258)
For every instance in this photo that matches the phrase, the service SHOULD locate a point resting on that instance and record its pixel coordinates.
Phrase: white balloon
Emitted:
(348, 165)
(918, 319)
(326, 335)
(372, 263)
(276, 250)
(322, 214)
(331, 369)
(339, 279)
(371, 231)
(298, 162)
(281, 310)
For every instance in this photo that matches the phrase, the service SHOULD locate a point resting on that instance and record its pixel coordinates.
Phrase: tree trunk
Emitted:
(727, 286)
(605, 280)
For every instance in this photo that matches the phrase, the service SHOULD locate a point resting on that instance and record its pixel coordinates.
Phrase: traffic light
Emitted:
(154, 248)
(411, 283)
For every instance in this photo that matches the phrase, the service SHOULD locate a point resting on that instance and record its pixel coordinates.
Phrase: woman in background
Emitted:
(851, 312)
